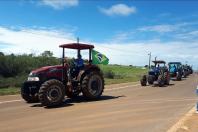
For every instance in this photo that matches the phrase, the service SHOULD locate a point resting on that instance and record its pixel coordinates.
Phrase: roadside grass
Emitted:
(121, 74)
(9, 91)
(113, 74)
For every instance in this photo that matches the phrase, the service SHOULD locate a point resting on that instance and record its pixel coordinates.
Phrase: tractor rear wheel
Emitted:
(143, 80)
(167, 78)
(92, 85)
(51, 93)
(29, 98)
(161, 81)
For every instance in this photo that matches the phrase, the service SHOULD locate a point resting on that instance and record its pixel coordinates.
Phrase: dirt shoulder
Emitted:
(190, 125)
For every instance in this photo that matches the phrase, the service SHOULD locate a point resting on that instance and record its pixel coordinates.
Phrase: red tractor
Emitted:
(49, 85)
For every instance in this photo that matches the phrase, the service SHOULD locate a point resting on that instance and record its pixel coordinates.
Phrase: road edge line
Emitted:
(181, 121)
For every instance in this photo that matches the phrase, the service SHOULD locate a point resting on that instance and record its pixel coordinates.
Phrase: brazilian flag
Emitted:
(98, 58)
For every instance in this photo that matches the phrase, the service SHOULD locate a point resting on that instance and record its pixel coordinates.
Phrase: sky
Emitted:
(126, 31)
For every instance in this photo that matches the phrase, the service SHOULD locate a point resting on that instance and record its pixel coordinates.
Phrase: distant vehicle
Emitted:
(159, 73)
(190, 69)
(49, 85)
(187, 70)
(175, 69)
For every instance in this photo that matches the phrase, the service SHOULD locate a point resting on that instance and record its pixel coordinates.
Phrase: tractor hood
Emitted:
(46, 68)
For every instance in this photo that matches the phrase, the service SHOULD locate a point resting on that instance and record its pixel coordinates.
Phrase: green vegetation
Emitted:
(9, 91)
(14, 69)
(120, 74)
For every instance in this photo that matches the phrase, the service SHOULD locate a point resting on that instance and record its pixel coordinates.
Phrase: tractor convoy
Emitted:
(50, 85)
(159, 74)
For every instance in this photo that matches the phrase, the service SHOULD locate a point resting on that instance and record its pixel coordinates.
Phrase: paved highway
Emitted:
(124, 107)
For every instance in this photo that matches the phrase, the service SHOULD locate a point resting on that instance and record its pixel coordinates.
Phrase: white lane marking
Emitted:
(181, 122)
(10, 101)
(110, 89)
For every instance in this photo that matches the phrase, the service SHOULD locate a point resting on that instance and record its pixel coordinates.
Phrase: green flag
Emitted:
(98, 58)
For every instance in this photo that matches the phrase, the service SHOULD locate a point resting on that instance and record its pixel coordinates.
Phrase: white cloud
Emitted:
(159, 28)
(33, 40)
(119, 9)
(165, 28)
(136, 53)
(60, 4)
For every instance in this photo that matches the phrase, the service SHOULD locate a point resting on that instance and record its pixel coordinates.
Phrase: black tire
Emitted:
(185, 74)
(92, 85)
(143, 80)
(161, 81)
(167, 78)
(52, 93)
(178, 77)
(27, 96)
(150, 79)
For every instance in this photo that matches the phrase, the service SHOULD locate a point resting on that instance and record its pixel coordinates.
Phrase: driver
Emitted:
(79, 62)
(78, 65)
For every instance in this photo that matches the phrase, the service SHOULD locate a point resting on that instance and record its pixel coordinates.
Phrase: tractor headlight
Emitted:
(33, 78)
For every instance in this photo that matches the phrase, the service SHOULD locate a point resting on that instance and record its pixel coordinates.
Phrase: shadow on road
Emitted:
(79, 99)
(58, 106)
(156, 85)
(173, 79)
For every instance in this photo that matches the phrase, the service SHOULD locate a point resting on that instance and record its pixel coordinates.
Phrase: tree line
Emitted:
(12, 65)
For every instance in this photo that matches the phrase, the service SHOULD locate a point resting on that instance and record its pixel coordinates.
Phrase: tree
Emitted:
(47, 54)
(1, 54)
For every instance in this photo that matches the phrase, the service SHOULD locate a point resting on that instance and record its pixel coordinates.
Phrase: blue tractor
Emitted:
(158, 74)
(176, 70)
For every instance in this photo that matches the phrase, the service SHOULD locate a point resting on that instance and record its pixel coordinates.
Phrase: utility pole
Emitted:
(78, 40)
(78, 52)
(149, 60)
(155, 58)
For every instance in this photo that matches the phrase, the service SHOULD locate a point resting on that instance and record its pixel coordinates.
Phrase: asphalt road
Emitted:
(123, 107)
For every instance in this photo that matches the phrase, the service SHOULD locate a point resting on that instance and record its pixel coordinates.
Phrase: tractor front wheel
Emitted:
(51, 93)
(143, 80)
(29, 98)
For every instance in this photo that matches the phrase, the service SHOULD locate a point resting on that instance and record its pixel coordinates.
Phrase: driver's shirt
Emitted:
(79, 62)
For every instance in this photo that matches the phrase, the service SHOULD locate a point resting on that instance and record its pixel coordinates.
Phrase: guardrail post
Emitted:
(197, 102)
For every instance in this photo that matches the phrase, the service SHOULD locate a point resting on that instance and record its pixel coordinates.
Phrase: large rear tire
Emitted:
(167, 78)
(25, 94)
(161, 81)
(51, 93)
(143, 80)
(92, 85)
(150, 79)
